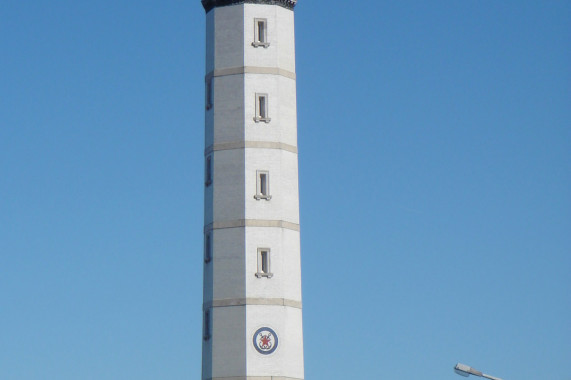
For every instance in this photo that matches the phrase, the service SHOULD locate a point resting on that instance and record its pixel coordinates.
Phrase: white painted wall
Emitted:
(285, 264)
(287, 360)
(281, 36)
(228, 29)
(228, 354)
(281, 108)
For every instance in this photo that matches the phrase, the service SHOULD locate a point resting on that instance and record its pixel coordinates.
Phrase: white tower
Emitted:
(252, 272)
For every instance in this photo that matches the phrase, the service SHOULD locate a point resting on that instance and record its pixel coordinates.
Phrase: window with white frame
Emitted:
(263, 185)
(209, 93)
(264, 263)
(260, 33)
(207, 324)
(208, 171)
(262, 108)
(208, 247)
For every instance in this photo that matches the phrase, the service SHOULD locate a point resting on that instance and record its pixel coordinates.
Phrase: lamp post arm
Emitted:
(490, 377)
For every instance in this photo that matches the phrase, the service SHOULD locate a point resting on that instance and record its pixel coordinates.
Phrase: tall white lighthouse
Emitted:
(252, 273)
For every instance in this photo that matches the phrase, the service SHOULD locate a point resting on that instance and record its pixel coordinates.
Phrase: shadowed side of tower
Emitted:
(252, 273)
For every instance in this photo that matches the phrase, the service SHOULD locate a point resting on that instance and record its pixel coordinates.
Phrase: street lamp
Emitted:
(464, 370)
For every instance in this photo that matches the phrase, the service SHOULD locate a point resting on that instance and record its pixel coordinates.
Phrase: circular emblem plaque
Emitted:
(265, 340)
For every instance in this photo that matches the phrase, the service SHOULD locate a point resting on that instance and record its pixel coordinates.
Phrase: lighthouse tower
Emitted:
(252, 321)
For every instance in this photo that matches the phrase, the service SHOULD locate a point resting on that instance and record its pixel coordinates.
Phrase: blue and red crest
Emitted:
(265, 340)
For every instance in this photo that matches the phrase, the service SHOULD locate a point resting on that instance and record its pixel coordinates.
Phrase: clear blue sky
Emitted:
(435, 179)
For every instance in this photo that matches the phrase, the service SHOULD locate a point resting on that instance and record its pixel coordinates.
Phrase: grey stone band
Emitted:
(250, 144)
(251, 223)
(250, 70)
(210, 4)
(253, 301)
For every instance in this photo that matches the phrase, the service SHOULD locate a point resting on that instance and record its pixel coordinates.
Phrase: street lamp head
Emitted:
(464, 370)
(461, 373)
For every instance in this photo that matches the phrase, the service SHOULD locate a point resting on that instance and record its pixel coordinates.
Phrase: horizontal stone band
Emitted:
(254, 378)
(250, 70)
(253, 301)
(250, 144)
(251, 223)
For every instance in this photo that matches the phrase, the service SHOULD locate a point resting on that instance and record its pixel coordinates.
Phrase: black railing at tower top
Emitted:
(210, 4)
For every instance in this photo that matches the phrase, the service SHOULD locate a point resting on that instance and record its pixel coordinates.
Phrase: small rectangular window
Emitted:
(261, 25)
(262, 108)
(207, 324)
(260, 33)
(209, 93)
(208, 171)
(263, 185)
(208, 247)
(264, 263)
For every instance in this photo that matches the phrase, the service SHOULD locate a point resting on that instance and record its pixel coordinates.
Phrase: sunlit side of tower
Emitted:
(252, 274)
